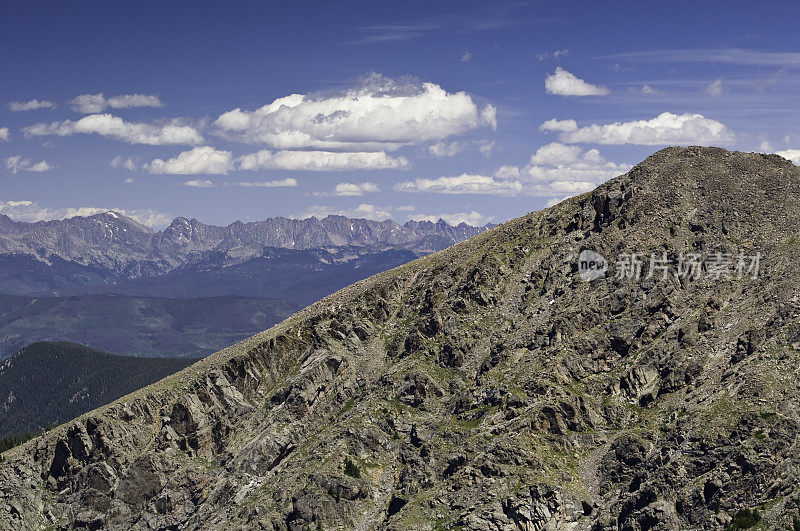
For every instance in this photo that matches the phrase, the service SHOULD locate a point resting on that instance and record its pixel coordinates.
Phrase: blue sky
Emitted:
(470, 111)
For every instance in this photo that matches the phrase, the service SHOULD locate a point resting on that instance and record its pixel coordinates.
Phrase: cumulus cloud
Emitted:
(97, 103)
(17, 163)
(4, 134)
(554, 170)
(559, 163)
(666, 128)
(355, 189)
(791, 154)
(445, 149)
(379, 114)
(121, 162)
(198, 183)
(473, 218)
(31, 105)
(276, 183)
(30, 211)
(463, 184)
(173, 132)
(715, 89)
(200, 160)
(320, 161)
(564, 83)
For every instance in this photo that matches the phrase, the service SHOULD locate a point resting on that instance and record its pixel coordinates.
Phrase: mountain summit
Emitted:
(513, 381)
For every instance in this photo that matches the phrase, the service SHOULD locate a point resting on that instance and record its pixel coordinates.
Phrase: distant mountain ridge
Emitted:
(113, 240)
(84, 254)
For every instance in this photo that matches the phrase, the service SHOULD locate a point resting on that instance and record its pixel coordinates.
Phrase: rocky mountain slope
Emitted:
(47, 383)
(487, 386)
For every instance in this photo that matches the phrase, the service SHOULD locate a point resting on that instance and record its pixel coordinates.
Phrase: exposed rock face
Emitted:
(486, 386)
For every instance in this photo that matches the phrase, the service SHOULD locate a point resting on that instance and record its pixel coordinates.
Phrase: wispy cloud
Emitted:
(715, 89)
(122, 162)
(199, 183)
(17, 163)
(320, 161)
(492, 17)
(355, 189)
(173, 132)
(463, 184)
(276, 183)
(97, 103)
(30, 105)
(737, 56)
(544, 56)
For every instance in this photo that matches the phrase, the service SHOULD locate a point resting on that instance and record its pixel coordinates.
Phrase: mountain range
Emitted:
(111, 246)
(540, 375)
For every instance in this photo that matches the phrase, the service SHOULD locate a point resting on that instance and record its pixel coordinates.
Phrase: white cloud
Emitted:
(715, 89)
(473, 218)
(30, 211)
(463, 184)
(202, 159)
(791, 154)
(121, 162)
(489, 116)
(4, 134)
(564, 83)
(559, 126)
(17, 163)
(485, 147)
(355, 189)
(544, 56)
(554, 170)
(173, 132)
(445, 149)
(320, 161)
(277, 183)
(128, 180)
(197, 183)
(31, 105)
(379, 114)
(666, 128)
(96, 103)
(650, 91)
(466, 57)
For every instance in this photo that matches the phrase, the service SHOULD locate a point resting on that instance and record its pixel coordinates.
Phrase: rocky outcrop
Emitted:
(485, 387)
